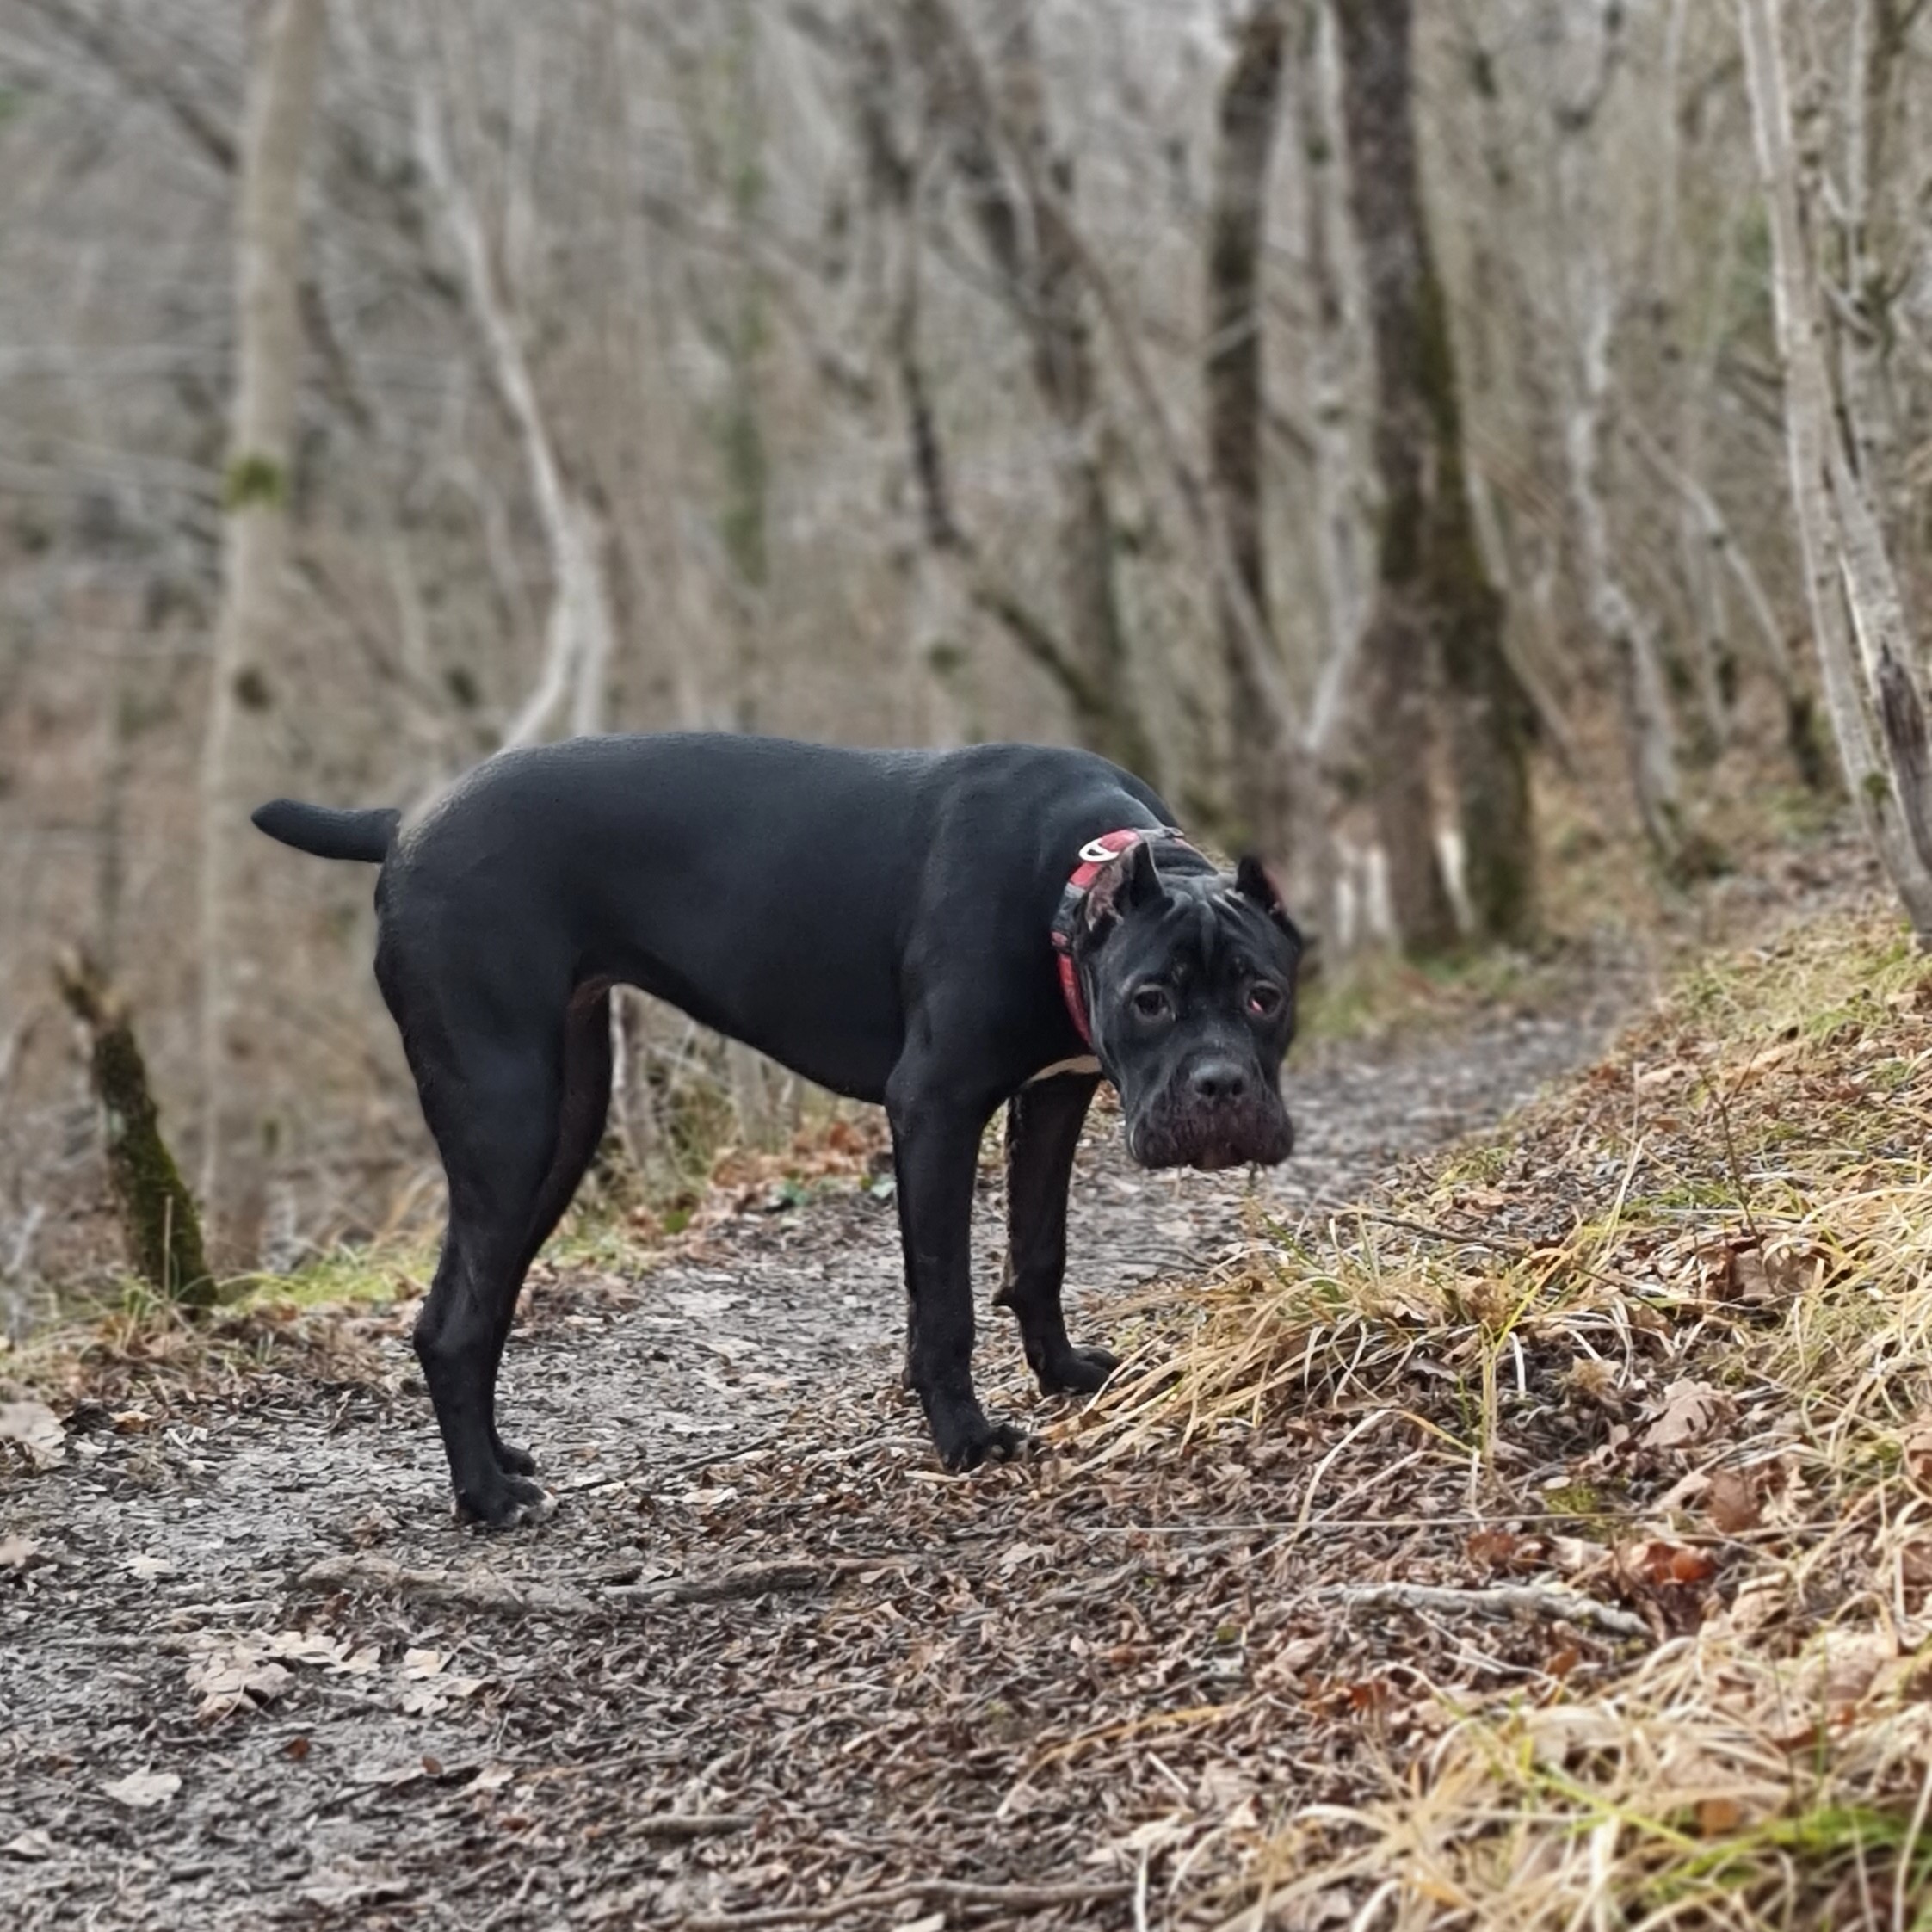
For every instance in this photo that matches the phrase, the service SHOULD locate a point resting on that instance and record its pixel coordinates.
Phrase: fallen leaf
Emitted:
(491, 1777)
(303, 1646)
(338, 1887)
(236, 1677)
(1688, 1412)
(37, 1429)
(1915, 1564)
(423, 1663)
(1716, 1816)
(1916, 1446)
(1691, 1566)
(296, 1748)
(1017, 1554)
(146, 1568)
(142, 1790)
(16, 1552)
(29, 1847)
(1493, 1548)
(1660, 1563)
(1732, 1503)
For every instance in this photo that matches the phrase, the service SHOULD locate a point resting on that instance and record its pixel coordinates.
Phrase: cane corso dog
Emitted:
(936, 932)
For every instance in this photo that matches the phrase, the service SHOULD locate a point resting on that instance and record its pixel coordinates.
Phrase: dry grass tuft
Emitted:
(1663, 1343)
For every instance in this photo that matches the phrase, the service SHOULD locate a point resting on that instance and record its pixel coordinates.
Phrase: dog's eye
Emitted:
(1264, 1000)
(1153, 1002)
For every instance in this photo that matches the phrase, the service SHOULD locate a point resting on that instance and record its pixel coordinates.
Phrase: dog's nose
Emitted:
(1219, 1080)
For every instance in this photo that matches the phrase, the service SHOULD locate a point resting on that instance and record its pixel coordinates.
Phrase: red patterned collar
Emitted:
(1096, 855)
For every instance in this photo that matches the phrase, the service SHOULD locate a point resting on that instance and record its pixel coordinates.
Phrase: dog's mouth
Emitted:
(1209, 1136)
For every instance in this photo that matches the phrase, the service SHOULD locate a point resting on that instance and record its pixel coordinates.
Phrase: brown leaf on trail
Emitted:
(1751, 1279)
(1563, 1660)
(1757, 1603)
(1494, 1549)
(1771, 1059)
(1575, 1556)
(1689, 1412)
(296, 1748)
(1916, 1446)
(235, 1677)
(1659, 1564)
(1717, 1816)
(1732, 1503)
(37, 1429)
(142, 1790)
(1288, 1662)
(1691, 1566)
(1845, 1666)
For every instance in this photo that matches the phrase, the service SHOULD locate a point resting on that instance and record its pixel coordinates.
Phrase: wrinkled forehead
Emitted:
(1205, 926)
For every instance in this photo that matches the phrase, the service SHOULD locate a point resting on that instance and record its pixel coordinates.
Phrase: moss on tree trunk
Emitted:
(158, 1218)
(1437, 615)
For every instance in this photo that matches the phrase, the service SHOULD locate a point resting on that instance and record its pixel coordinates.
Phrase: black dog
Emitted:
(885, 923)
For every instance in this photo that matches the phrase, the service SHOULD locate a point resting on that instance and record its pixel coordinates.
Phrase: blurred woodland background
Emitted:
(1478, 452)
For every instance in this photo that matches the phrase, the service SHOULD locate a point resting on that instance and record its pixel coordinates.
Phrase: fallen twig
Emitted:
(691, 1824)
(743, 1579)
(1558, 1606)
(472, 1590)
(477, 1589)
(1012, 1898)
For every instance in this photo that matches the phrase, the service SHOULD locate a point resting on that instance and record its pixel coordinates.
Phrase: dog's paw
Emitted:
(978, 1440)
(508, 1503)
(1078, 1372)
(514, 1461)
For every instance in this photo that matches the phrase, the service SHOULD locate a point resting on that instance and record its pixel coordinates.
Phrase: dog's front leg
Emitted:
(936, 1151)
(1042, 1130)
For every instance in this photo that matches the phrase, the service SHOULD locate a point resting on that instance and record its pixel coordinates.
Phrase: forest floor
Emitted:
(1465, 1427)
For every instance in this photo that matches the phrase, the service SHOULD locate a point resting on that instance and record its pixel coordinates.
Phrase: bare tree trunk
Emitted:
(1624, 633)
(1038, 262)
(1338, 483)
(283, 75)
(579, 630)
(1265, 763)
(1435, 609)
(1854, 606)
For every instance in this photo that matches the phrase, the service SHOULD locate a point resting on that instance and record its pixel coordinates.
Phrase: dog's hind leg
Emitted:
(1042, 1130)
(580, 1126)
(494, 1105)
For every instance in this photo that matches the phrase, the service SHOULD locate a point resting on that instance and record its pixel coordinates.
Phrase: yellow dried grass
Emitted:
(1750, 1202)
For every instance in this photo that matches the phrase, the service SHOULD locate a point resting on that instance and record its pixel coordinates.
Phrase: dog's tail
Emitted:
(328, 833)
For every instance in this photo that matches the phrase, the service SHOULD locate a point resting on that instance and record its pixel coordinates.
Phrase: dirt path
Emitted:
(390, 1759)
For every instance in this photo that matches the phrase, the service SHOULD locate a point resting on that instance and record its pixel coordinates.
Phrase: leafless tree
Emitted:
(284, 76)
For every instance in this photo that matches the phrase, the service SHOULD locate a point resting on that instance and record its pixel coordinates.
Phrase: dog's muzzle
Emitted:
(1218, 1112)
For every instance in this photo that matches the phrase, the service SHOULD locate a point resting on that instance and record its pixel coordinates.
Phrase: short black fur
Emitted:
(878, 921)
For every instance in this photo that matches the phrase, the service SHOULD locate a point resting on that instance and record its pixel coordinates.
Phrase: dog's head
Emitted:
(1190, 984)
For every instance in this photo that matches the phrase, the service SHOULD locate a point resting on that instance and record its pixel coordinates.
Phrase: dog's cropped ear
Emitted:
(1140, 879)
(1256, 884)
(1133, 881)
